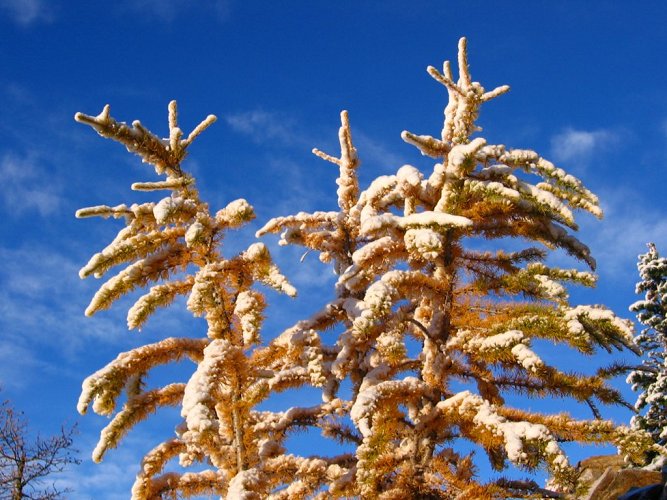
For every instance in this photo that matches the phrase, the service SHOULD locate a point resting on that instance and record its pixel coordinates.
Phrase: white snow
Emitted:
(193, 234)
(430, 218)
(235, 213)
(462, 152)
(167, 208)
(434, 220)
(552, 289)
(163, 210)
(423, 243)
(408, 178)
(373, 389)
(373, 249)
(502, 340)
(596, 313)
(527, 357)
(239, 486)
(472, 407)
(248, 308)
(204, 388)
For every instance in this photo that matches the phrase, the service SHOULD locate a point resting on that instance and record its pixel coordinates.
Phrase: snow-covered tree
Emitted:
(439, 326)
(173, 246)
(651, 378)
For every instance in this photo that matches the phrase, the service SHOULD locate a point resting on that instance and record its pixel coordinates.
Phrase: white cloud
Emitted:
(303, 268)
(112, 478)
(579, 145)
(27, 12)
(14, 374)
(43, 329)
(269, 127)
(263, 127)
(375, 152)
(41, 317)
(301, 186)
(629, 224)
(304, 185)
(42, 302)
(169, 10)
(26, 188)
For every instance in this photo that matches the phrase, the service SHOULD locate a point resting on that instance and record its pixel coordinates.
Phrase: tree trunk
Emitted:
(17, 493)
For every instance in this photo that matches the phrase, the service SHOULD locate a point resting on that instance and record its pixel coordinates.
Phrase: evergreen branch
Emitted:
(136, 409)
(106, 384)
(527, 487)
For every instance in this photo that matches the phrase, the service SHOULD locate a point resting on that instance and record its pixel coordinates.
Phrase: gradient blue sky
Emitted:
(589, 91)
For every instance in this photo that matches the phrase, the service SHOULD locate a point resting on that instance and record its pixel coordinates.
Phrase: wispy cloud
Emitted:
(15, 362)
(376, 152)
(41, 305)
(298, 176)
(169, 10)
(42, 326)
(40, 294)
(304, 183)
(629, 224)
(578, 146)
(263, 126)
(111, 479)
(27, 12)
(303, 269)
(301, 186)
(25, 187)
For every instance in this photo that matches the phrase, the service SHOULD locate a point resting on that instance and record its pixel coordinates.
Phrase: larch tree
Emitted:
(414, 267)
(173, 246)
(436, 326)
(650, 380)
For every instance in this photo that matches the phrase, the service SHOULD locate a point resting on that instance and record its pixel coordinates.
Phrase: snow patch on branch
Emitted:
(430, 219)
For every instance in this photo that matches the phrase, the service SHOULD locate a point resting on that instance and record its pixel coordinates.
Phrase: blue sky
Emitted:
(589, 91)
